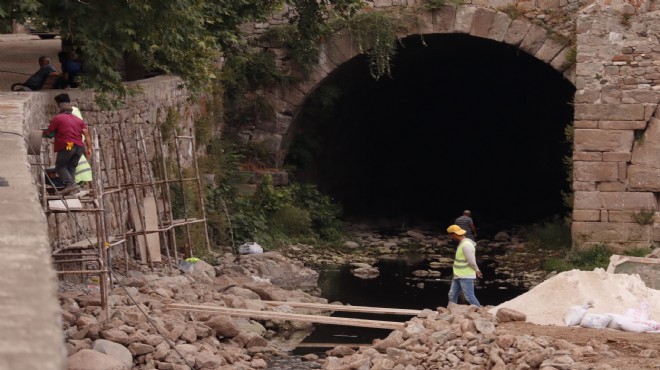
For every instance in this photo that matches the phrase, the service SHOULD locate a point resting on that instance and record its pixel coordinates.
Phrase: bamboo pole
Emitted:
(183, 195)
(271, 315)
(200, 192)
(168, 197)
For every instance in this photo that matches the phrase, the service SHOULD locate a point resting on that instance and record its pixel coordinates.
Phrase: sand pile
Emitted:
(548, 302)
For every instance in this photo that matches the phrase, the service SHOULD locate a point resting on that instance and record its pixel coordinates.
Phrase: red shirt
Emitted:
(68, 128)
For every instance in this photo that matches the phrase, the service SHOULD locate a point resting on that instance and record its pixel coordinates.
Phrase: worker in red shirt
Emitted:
(69, 131)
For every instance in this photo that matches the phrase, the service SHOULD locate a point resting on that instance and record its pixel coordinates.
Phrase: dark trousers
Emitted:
(66, 163)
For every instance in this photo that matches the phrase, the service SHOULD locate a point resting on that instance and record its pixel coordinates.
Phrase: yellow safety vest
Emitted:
(461, 267)
(83, 171)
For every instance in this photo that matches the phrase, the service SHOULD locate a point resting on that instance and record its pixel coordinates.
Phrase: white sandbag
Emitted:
(575, 314)
(595, 320)
(641, 313)
(639, 326)
(614, 323)
(250, 248)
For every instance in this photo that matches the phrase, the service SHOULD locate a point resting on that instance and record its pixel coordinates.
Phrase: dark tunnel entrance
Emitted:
(463, 122)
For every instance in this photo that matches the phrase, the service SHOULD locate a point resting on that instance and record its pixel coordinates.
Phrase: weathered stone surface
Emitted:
(482, 21)
(549, 50)
(644, 178)
(223, 326)
(444, 19)
(534, 39)
(464, 18)
(617, 157)
(612, 232)
(586, 215)
(588, 156)
(88, 359)
(603, 140)
(622, 125)
(516, 32)
(500, 26)
(596, 171)
(610, 112)
(114, 350)
(614, 200)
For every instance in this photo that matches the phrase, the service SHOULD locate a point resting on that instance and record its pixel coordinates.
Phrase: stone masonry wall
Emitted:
(617, 126)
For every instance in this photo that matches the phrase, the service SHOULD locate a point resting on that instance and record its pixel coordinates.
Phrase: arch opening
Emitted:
(463, 123)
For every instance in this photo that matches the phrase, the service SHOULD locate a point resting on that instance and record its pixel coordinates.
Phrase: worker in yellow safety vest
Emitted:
(466, 270)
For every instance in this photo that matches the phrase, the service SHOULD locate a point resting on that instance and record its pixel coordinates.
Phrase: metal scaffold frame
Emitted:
(122, 186)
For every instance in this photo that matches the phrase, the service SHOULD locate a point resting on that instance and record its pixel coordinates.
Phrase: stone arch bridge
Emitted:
(615, 68)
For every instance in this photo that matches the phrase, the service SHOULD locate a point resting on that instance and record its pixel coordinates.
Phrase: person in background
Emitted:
(71, 68)
(37, 80)
(466, 223)
(465, 267)
(69, 146)
(83, 170)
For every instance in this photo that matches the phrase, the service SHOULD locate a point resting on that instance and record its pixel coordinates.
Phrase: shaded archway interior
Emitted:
(462, 123)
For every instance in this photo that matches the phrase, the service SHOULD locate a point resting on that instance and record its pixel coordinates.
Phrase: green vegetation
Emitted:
(644, 216)
(180, 37)
(597, 256)
(375, 35)
(571, 57)
(513, 11)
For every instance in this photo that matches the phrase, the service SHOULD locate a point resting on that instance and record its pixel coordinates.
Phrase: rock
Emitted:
(508, 314)
(201, 267)
(138, 349)
(415, 234)
(88, 359)
(115, 335)
(114, 350)
(502, 236)
(350, 244)
(484, 326)
(223, 326)
(366, 272)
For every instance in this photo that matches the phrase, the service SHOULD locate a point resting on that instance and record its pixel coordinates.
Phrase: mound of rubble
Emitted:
(465, 338)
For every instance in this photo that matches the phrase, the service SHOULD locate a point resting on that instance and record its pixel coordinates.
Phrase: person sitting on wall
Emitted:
(37, 80)
(71, 68)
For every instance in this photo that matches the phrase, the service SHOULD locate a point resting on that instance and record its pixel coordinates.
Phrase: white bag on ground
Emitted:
(250, 248)
(595, 320)
(641, 313)
(616, 318)
(639, 326)
(575, 313)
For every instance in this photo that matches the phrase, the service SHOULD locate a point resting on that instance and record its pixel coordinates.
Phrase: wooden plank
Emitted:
(272, 315)
(151, 222)
(61, 205)
(334, 307)
(135, 220)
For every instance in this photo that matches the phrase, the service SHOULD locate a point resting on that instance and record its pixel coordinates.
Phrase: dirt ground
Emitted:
(628, 347)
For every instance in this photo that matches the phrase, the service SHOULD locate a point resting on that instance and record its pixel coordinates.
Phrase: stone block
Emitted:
(482, 21)
(341, 47)
(534, 39)
(603, 140)
(464, 18)
(588, 156)
(561, 62)
(516, 32)
(595, 171)
(603, 216)
(584, 186)
(500, 26)
(643, 96)
(444, 19)
(618, 201)
(646, 153)
(614, 112)
(623, 171)
(611, 186)
(587, 96)
(548, 4)
(425, 23)
(643, 178)
(621, 216)
(656, 232)
(608, 232)
(622, 125)
(585, 124)
(586, 215)
(616, 157)
(549, 50)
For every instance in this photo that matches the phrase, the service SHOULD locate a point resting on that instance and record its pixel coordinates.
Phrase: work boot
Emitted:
(69, 189)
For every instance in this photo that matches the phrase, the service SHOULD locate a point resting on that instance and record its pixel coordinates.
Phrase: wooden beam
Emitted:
(272, 315)
(334, 307)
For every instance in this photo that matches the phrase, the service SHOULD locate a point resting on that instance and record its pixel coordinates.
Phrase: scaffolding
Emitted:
(128, 204)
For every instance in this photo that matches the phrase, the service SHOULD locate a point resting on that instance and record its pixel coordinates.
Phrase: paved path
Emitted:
(19, 57)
